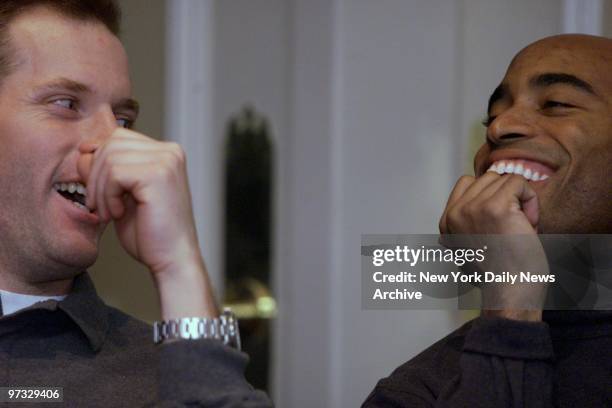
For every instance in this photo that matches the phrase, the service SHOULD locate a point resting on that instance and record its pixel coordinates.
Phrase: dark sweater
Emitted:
(565, 361)
(104, 358)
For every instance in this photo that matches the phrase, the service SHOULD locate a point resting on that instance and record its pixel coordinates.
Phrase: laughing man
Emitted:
(545, 167)
(69, 165)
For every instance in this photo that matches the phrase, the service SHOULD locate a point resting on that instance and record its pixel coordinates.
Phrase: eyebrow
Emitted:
(543, 81)
(549, 79)
(129, 104)
(65, 84)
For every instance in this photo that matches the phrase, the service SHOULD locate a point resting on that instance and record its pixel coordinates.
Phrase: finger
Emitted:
(117, 188)
(145, 147)
(477, 187)
(92, 181)
(109, 192)
(84, 164)
(461, 186)
(115, 206)
(108, 200)
(89, 146)
(515, 194)
(99, 185)
(491, 189)
(482, 189)
(131, 134)
(464, 193)
(119, 185)
(530, 205)
(113, 196)
(526, 197)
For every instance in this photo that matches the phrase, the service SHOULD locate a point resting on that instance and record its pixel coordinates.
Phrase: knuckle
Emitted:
(164, 171)
(111, 160)
(177, 151)
(442, 224)
(454, 216)
(465, 179)
(470, 210)
(492, 210)
(112, 172)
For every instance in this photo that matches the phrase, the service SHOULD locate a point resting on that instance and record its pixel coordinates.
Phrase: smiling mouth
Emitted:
(73, 192)
(530, 170)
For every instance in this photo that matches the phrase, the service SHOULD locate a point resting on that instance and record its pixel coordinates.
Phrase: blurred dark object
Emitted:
(248, 245)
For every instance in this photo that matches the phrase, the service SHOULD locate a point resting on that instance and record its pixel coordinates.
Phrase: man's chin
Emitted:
(77, 255)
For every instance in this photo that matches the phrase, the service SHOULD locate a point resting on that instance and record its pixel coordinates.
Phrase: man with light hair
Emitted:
(69, 165)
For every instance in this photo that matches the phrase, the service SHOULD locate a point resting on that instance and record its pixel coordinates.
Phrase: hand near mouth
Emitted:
(504, 205)
(491, 204)
(141, 184)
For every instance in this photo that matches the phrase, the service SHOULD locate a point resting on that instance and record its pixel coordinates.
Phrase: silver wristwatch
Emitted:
(223, 328)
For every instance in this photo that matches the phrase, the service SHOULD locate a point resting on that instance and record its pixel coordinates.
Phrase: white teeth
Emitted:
(81, 206)
(501, 167)
(71, 188)
(517, 168)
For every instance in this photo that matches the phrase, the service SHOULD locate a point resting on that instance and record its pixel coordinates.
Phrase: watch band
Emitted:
(223, 328)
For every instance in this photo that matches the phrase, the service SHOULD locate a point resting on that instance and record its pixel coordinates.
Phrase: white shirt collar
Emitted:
(12, 302)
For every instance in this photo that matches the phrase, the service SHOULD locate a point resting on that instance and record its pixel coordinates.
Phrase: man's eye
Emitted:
(124, 123)
(66, 103)
(556, 104)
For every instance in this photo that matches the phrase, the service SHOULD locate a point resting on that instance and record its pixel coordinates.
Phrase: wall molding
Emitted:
(189, 110)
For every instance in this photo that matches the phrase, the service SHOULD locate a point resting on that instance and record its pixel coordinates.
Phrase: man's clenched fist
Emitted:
(141, 184)
(491, 204)
(507, 206)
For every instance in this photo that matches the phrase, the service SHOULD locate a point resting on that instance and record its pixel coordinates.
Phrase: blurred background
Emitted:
(306, 124)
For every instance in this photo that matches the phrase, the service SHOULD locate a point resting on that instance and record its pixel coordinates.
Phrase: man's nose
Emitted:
(99, 128)
(511, 125)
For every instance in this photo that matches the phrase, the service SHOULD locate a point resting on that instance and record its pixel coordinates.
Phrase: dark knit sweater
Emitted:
(104, 358)
(565, 361)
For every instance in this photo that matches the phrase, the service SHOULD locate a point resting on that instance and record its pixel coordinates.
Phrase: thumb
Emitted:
(529, 204)
(84, 165)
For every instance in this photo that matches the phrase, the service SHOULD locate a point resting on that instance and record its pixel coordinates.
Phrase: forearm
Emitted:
(185, 290)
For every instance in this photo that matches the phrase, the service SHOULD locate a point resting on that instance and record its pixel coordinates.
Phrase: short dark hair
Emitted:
(106, 12)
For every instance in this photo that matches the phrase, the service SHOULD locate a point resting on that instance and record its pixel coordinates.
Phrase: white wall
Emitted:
(396, 118)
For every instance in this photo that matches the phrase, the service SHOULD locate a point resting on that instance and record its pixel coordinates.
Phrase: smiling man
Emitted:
(69, 165)
(545, 167)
